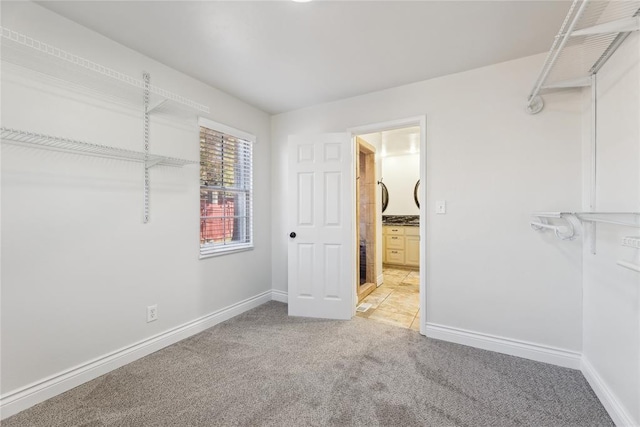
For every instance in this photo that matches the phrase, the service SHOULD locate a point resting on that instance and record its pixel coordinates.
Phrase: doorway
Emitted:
(322, 244)
(400, 268)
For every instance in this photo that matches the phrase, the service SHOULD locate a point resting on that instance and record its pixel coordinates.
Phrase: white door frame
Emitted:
(423, 194)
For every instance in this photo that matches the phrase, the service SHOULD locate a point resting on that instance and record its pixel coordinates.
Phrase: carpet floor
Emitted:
(263, 368)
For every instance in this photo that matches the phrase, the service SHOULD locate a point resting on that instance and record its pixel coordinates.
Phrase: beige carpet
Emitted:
(265, 368)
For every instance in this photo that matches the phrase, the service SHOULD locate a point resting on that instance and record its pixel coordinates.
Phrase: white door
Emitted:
(321, 240)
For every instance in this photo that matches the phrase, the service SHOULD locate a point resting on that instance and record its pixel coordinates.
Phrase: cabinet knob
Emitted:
(293, 234)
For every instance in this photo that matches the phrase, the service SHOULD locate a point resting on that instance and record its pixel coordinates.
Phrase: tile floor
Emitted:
(397, 300)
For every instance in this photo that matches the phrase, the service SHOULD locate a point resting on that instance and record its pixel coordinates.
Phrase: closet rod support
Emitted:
(562, 232)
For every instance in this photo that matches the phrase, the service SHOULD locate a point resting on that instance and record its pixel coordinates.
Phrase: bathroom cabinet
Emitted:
(401, 245)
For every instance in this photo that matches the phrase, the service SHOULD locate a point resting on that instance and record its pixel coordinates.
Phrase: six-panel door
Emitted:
(321, 255)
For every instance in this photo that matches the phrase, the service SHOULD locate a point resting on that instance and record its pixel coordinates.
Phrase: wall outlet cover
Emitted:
(152, 313)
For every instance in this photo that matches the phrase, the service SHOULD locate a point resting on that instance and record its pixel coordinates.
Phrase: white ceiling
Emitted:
(400, 141)
(395, 142)
(281, 55)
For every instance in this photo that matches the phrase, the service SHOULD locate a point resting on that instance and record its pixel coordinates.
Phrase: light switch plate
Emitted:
(441, 207)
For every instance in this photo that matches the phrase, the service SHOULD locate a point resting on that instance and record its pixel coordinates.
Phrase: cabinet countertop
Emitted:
(401, 220)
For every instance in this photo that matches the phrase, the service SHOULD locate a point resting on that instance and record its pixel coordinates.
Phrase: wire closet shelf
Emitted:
(625, 219)
(27, 52)
(588, 36)
(37, 140)
(572, 222)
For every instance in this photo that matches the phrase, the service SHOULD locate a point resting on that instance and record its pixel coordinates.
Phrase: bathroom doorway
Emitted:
(366, 214)
(397, 297)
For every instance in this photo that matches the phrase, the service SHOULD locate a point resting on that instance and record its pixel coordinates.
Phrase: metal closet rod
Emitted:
(584, 216)
(595, 217)
(562, 232)
(607, 221)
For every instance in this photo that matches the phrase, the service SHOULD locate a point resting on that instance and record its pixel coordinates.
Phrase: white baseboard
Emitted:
(616, 411)
(527, 350)
(280, 296)
(18, 400)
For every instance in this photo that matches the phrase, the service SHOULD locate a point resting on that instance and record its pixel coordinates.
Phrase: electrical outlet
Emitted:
(441, 207)
(152, 313)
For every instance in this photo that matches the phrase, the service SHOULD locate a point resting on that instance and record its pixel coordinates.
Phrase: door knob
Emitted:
(292, 234)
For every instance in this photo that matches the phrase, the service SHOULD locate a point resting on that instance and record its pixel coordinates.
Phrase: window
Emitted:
(226, 189)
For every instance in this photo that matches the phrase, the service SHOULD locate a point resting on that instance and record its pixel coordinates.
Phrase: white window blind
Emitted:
(226, 190)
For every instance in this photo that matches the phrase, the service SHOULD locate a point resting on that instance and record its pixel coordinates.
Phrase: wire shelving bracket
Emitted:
(26, 52)
(146, 78)
(590, 33)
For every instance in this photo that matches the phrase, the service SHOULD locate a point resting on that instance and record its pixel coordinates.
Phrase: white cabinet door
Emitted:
(321, 250)
(412, 251)
(384, 245)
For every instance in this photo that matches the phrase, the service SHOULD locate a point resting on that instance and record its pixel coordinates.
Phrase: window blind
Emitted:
(226, 192)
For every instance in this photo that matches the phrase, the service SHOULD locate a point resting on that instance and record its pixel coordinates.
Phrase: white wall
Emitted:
(400, 175)
(494, 164)
(79, 267)
(611, 335)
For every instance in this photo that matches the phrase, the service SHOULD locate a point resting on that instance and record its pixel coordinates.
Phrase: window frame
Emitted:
(215, 249)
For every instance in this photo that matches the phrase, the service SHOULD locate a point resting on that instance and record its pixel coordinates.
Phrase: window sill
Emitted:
(226, 252)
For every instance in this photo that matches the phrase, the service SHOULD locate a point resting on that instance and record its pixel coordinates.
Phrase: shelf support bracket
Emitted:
(157, 105)
(568, 84)
(152, 162)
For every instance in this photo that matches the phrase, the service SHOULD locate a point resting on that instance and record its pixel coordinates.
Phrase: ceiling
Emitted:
(396, 142)
(281, 55)
(400, 141)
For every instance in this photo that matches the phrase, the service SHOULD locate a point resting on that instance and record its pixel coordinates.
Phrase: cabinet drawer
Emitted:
(394, 242)
(395, 256)
(397, 230)
(412, 231)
